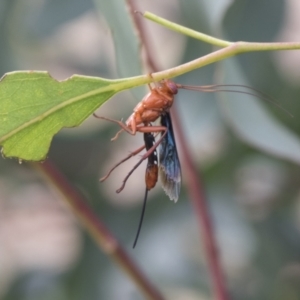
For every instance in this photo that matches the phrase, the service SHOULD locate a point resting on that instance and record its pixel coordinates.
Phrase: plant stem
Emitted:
(184, 30)
(218, 55)
(197, 195)
(248, 47)
(103, 237)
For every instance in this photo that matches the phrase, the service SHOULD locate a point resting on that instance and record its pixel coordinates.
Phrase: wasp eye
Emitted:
(172, 86)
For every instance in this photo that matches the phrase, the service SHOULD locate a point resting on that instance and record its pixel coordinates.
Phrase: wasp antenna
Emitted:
(216, 88)
(141, 219)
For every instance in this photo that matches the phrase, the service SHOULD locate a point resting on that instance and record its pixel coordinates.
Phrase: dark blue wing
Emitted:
(169, 165)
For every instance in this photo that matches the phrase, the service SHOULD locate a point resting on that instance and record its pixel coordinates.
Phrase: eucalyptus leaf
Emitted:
(34, 107)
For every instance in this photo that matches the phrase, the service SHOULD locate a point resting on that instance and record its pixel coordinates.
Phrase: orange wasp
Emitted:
(156, 104)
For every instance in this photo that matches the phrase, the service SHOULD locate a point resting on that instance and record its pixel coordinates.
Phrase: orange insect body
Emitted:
(151, 176)
(157, 101)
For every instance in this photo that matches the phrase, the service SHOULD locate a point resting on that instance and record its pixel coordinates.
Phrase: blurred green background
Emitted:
(253, 195)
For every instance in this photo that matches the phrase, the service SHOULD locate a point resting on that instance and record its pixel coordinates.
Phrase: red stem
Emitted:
(97, 229)
(198, 198)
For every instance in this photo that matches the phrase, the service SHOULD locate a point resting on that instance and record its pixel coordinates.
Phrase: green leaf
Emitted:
(254, 124)
(34, 107)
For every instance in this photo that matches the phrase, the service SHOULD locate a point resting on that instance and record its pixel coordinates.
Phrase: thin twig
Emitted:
(104, 238)
(194, 187)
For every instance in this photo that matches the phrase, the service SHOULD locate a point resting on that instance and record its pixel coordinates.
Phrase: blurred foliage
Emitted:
(253, 196)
